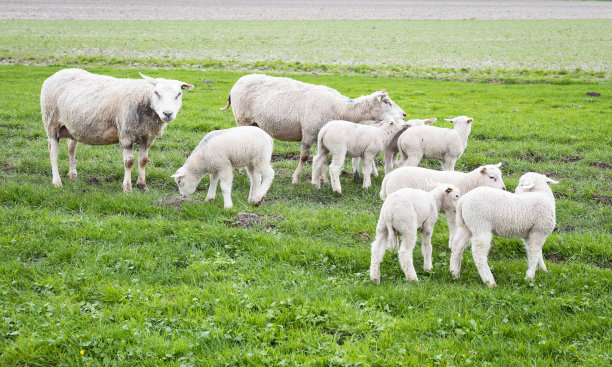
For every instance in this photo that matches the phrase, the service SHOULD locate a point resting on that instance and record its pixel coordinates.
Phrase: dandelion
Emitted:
(82, 352)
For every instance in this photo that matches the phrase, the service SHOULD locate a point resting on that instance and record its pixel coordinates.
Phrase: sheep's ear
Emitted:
(178, 175)
(469, 120)
(483, 170)
(450, 120)
(499, 164)
(186, 86)
(448, 190)
(550, 180)
(151, 81)
(430, 121)
(528, 186)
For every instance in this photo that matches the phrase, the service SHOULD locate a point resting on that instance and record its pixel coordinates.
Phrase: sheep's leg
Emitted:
(212, 188)
(534, 253)
(255, 181)
(143, 158)
(226, 176)
(53, 148)
(367, 163)
(72, 171)
(128, 162)
(541, 264)
(452, 227)
(389, 157)
(355, 163)
(374, 169)
(378, 252)
(426, 248)
(318, 164)
(481, 245)
(303, 158)
(334, 171)
(461, 239)
(405, 255)
(413, 160)
(267, 174)
(448, 164)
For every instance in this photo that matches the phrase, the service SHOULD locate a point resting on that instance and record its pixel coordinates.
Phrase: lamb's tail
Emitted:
(459, 223)
(229, 103)
(392, 244)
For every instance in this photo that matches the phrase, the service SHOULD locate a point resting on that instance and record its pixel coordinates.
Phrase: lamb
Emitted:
(392, 150)
(345, 138)
(403, 213)
(102, 110)
(290, 110)
(222, 150)
(528, 213)
(435, 143)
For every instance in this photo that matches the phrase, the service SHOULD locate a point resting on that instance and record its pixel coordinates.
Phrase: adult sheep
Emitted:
(290, 110)
(102, 110)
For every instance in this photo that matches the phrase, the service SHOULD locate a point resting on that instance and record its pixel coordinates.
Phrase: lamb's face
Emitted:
(166, 97)
(186, 183)
(461, 121)
(450, 197)
(387, 107)
(491, 176)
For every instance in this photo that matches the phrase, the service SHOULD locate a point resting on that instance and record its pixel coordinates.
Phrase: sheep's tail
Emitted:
(229, 103)
(459, 217)
(392, 244)
(383, 189)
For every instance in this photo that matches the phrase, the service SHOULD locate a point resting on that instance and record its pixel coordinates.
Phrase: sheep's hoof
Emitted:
(142, 186)
(57, 184)
(207, 199)
(375, 280)
(227, 206)
(412, 280)
(356, 176)
(72, 176)
(492, 285)
(127, 188)
(338, 193)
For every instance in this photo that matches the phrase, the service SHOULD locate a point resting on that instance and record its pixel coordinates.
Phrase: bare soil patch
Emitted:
(177, 201)
(248, 220)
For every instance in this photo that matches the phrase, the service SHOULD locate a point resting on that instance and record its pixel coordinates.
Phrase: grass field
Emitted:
(91, 276)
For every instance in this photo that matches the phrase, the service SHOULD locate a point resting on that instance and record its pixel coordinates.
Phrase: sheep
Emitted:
(528, 213)
(435, 143)
(101, 110)
(418, 178)
(345, 138)
(392, 150)
(290, 110)
(403, 213)
(222, 150)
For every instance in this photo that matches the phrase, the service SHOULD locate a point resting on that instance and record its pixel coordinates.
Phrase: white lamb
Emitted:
(101, 110)
(419, 178)
(392, 150)
(528, 213)
(403, 213)
(432, 142)
(290, 110)
(345, 138)
(222, 150)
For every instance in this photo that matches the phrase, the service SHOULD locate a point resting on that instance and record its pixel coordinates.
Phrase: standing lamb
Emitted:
(222, 150)
(528, 213)
(345, 138)
(102, 110)
(419, 178)
(403, 213)
(392, 150)
(432, 142)
(290, 110)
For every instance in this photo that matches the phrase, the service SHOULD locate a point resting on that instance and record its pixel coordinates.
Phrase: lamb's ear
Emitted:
(178, 175)
(448, 190)
(186, 86)
(151, 81)
(550, 180)
(430, 121)
(431, 184)
(469, 120)
(528, 186)
(500, 164)
(483, 170)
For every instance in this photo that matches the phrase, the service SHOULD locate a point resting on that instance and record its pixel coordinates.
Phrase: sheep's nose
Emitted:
(404, 114)
(504, 188)
(168, 114)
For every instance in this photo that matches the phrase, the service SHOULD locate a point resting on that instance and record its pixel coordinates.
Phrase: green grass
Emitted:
(130, 282)
(491, 50)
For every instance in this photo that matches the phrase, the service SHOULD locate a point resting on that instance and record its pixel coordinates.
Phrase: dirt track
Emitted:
(293, 10)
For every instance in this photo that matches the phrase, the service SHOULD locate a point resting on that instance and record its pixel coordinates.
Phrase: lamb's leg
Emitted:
(212, 188)
(378, 252)
(53, 148)
(306, 144)
(355, 162)
(405, 255)
(128, 162)
(143, 158)
(267, 174)
(374, 169)
(413, 159)
(334, 171)
(452, 227)
(226, 176)
(426, 248)
(481, 244)
(367, 163)
(534, 245)
(448, 164)
(72, 171)
(461, 239)
(317, 167)
(255, 181)
(389, 161)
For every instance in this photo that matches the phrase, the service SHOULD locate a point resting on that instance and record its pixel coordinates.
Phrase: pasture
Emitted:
(92, 276)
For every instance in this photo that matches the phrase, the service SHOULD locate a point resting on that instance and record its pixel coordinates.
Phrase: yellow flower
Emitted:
(82, 352)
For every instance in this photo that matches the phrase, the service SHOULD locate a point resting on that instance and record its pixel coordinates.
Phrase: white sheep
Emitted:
(528, 213)
(392, 150)
(101, 110)
(345, 138)
(403, 213)
(222, 150)
(290, 110)
(419, 178)
(432, 142)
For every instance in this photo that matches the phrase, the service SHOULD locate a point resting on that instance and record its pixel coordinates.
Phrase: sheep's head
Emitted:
(532, 181)
(461, 121)
(449, 194)
(491, 175)
(383, 106)
(166, 96)
(417, 122)
(186, 182)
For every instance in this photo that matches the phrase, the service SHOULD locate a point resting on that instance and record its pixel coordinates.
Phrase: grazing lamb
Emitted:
(290, 110)
(432, 142)
(528, 213)
(345, 138)
(101, 110)
(222, 150)
(403, 213)
(418, 178)
(392, 150)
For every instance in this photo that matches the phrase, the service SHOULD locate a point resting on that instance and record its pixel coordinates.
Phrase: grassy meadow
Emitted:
(91, 276)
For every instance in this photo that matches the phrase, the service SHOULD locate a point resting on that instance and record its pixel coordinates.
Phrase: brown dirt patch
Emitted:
(606, 199)
(533, 157)
(602, 165)
(565, 229)
(593, 94)
(177, 201)
(93, 181)
(249, 220)
(555, 258)
(571, 158)
(285, 157)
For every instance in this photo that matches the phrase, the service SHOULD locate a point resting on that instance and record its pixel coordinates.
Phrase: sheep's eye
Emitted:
(493, 178)
(157, 94)
(178, 95)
